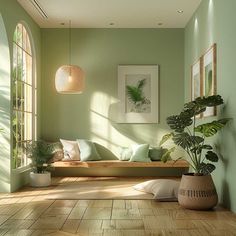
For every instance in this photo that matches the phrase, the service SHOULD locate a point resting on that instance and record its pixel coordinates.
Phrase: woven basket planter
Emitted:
(197, 192)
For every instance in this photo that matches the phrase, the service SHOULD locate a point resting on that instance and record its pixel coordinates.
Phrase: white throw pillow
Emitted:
(163, 189)
(71, 150)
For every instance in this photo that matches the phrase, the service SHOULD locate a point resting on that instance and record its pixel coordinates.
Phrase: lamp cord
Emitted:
(70, 42)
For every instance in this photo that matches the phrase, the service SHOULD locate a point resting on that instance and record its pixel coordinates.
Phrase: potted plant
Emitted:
(197, 190)
(40, 154)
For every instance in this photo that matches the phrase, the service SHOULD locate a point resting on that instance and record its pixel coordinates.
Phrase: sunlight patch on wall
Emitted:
(196, 36)
(210, 21)
(103, 130)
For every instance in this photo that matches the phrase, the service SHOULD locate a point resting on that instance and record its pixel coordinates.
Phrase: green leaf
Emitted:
(166, 156)
(134, 93)
(200, 104)
(141, 84)
(178, 123)
(211, 156)
(206, 168)
(165, 138)
(211, 101)
(198, 149)
(187, 141)
(210, 129)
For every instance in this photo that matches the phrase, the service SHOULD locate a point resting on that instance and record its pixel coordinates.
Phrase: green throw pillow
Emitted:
(140, 153)
(155, 153)
(125, 154)
(88, 151)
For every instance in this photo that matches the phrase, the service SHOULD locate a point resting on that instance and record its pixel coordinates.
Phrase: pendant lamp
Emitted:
(69, 79)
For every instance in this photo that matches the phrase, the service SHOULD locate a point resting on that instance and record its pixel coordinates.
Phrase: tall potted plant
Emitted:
(197, 190)
(40, 154)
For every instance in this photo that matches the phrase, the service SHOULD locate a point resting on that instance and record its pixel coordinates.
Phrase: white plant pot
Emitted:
(40, 180)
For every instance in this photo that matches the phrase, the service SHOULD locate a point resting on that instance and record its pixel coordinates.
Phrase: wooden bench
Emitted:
(117, 163)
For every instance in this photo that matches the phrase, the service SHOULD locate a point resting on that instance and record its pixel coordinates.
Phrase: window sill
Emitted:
(21, 169)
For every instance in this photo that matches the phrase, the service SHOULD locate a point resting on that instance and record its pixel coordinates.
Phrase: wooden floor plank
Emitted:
(123, 224)
(49, 222)
(77, 213)
(96, 213)
(125, 214)
(70, 226)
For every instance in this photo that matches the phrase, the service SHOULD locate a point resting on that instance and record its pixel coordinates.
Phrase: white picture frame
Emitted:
(209, 78)
(138, 93)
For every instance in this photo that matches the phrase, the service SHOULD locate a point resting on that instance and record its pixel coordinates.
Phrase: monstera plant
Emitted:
(192, 138)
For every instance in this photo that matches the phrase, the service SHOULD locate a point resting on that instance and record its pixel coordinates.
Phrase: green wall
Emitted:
(12, 13)
(99, 51)
(214, 22)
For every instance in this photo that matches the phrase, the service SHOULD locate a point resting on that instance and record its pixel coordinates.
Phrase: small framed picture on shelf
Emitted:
(209, 77)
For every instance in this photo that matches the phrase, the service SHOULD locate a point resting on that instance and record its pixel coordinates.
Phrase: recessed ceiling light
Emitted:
(180, 11)
(111, 23)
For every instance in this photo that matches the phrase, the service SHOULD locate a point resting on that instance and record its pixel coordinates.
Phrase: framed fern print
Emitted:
(138, 93)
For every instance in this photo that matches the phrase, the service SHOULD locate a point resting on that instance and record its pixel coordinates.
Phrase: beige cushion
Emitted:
(71, 150)
(162, 189)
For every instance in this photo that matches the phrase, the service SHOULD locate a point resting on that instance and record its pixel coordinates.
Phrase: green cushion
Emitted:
(140, 153)
(125, 154)
(88, 150)
(155, 153)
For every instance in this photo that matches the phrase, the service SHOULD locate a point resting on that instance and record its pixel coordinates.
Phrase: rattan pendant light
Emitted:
(69, 79)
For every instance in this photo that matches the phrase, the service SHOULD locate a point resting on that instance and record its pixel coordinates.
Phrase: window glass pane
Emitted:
(18, 35)
(19, 161)
(28, 46)
(24, 66)
(14, 91)
(20, 95)
(15, 124)
(28, 95)
(19, 69)
(24, 38)
(28, 69)
(35, 122)
(28, 128)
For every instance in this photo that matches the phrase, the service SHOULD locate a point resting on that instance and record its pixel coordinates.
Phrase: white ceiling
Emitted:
(123, 13)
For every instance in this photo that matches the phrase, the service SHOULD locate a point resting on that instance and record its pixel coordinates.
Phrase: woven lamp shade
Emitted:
(69, 79)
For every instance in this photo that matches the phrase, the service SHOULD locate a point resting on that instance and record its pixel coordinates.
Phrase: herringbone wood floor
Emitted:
(28, 212)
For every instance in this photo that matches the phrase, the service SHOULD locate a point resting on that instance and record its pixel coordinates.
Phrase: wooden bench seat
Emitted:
(117, 163)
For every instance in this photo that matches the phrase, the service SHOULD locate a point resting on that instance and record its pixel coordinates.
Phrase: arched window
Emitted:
(24, 95)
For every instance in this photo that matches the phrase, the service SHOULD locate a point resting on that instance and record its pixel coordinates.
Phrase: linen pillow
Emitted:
(71, 150)
(163, 189)
(140, 153)
(155, 153)
(88, 151)
(125, 154)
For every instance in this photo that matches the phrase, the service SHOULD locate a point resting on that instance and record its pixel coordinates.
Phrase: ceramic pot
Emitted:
(40, 180)
(197, 192)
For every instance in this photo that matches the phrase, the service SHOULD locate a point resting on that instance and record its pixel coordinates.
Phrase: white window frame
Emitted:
(26, 162)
